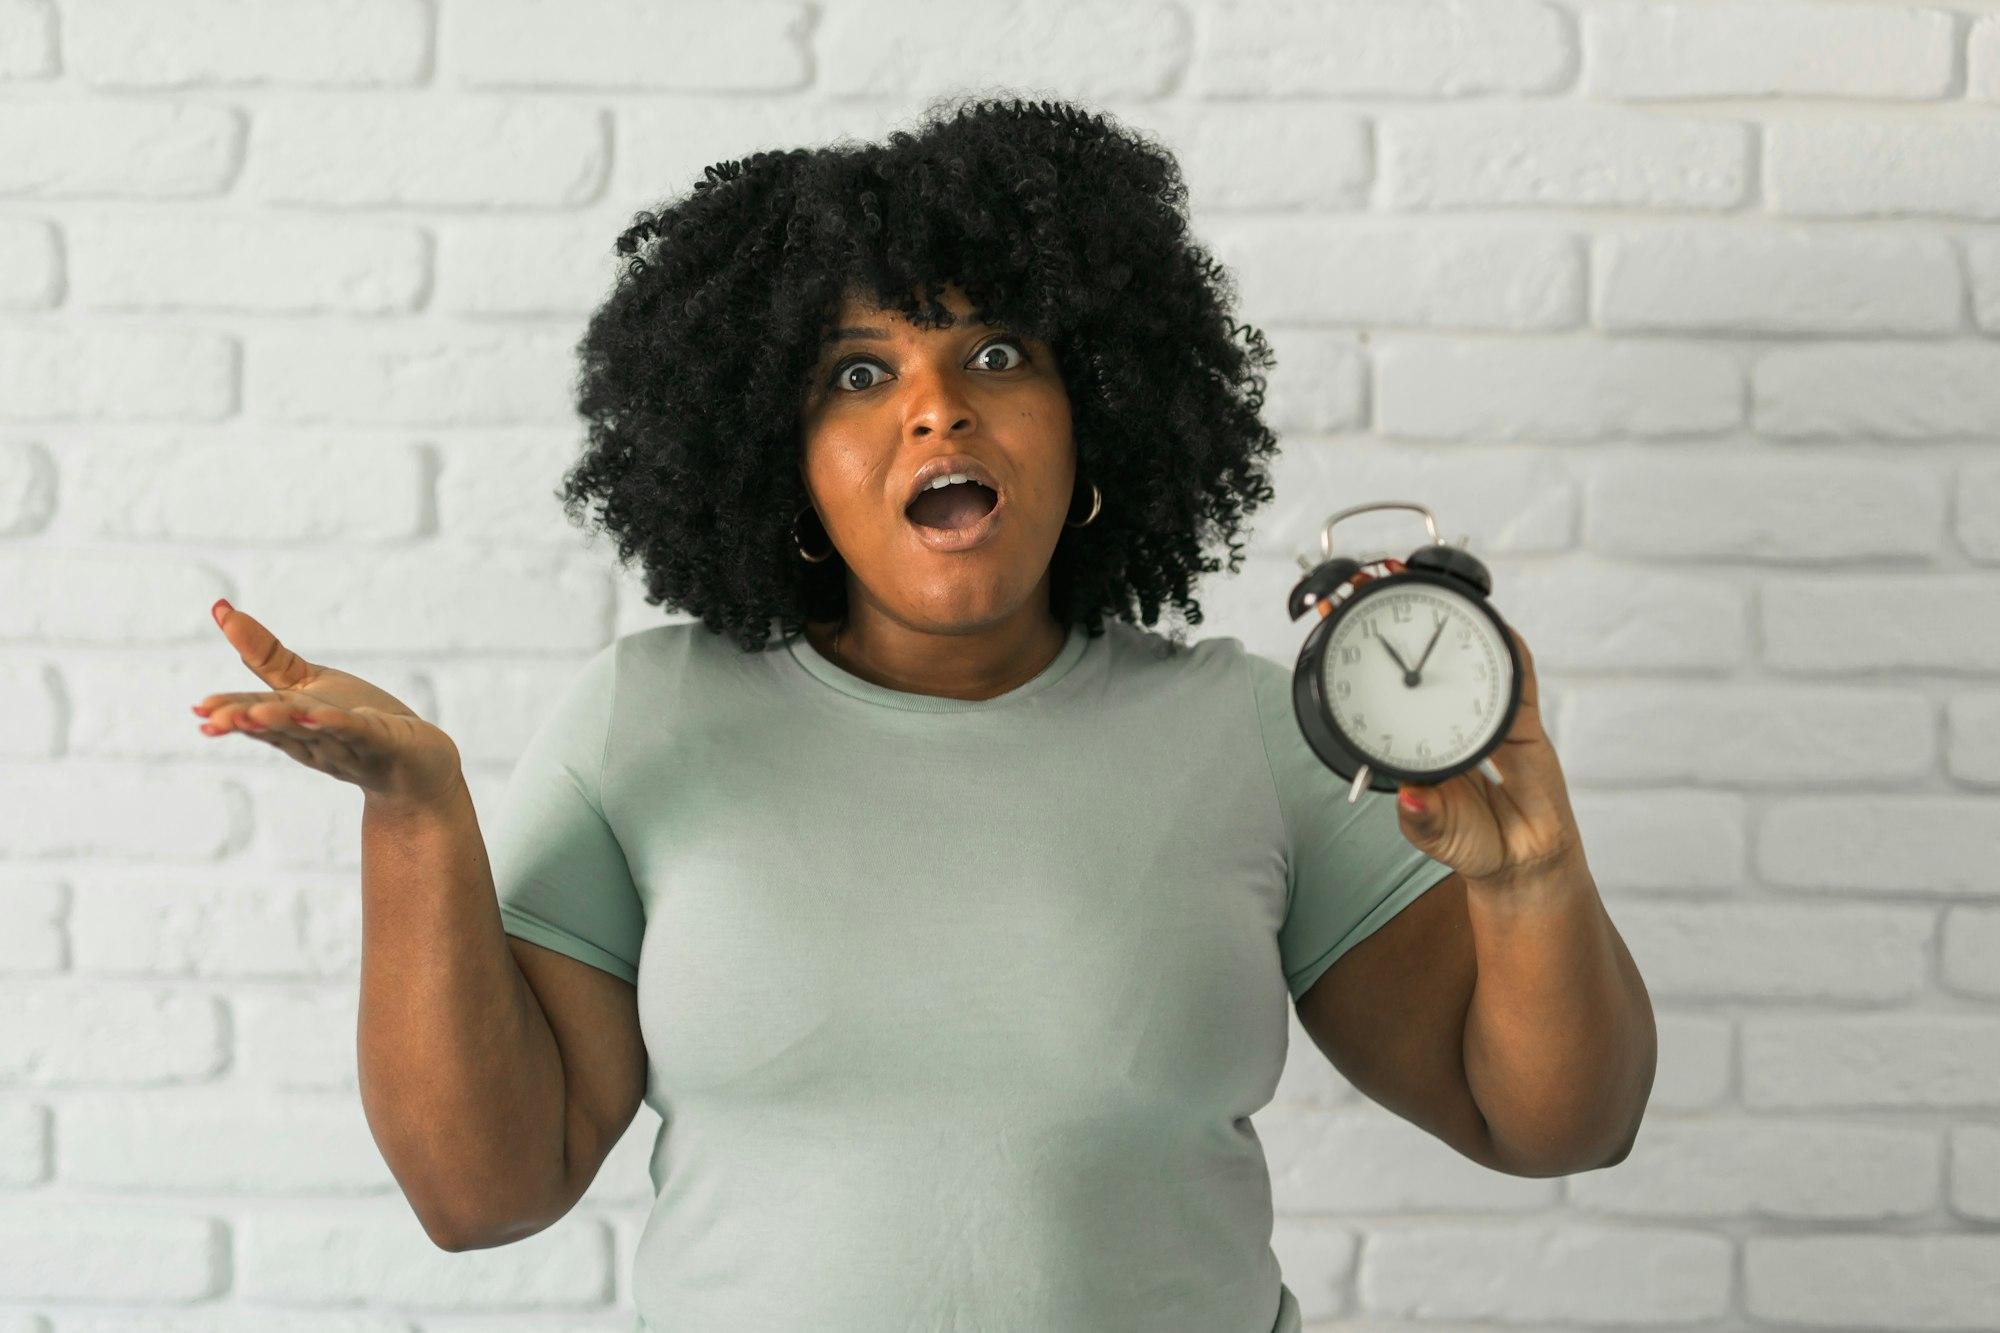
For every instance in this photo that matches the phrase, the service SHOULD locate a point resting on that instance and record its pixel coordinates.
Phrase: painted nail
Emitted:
(199, 711)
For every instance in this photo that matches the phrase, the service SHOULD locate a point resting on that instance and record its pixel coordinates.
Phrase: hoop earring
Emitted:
(809, 559)
(1096, 503)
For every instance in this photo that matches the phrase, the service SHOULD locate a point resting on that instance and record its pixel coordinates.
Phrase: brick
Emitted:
(1925, 1281)
(1530, 388)
(412, 602)
(61, 1034)
(1884, 843)
(217, 1140)
(60, 1250)
(118, 148)
(1710, 506)
(98, 598)
(320, 43)
(276, 493)
(343, 1256)
(116, 374)
(1776, 280)
(892, 49)
(1975, 1172)
(411, 376)
(1978, 509)
(32, 727)
(1596, 617)
(502, 488)
(171, 922)
(1520, 502)
(1760, 951)
(31, 263)
(1393, 273)
(97, 810)
(27, 51)
(253, 264)
(24, 1145)
(1971, 943)
(627, 45)
(1419, 48)
(1937, 622)
(1902, 1061)
(1747, 734)
(1696, 1056)
(1866, 166)
(1321, 385)
(1982, 59)
(1972, 737)
(297, 1040)
(1649, 50)
(1886, 392)
(1317, 1260)
(526, 265)
(1741, 1166)
(27, 488)
(36, 912)
(1560, 155)
(1626, 1275)
(1680, 841)
(1280, 156)
(425, 153)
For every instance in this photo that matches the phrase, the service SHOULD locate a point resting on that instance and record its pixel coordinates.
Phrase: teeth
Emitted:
(947, 480)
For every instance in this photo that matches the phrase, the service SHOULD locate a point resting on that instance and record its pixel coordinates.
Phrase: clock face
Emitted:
(1417, 677)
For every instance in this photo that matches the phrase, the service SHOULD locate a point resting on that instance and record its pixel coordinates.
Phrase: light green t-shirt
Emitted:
(956, 1011)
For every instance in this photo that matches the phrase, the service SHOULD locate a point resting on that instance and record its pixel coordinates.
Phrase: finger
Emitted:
(297, 749)
(260, 650)
(209, 705)
(342, 734)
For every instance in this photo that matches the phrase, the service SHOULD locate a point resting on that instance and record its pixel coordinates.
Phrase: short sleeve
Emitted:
(1351, 868)
(558, 870)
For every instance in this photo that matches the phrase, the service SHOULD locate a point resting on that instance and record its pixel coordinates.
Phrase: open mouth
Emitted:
(951, 508)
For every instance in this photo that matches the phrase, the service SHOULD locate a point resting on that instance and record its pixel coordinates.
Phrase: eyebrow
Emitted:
(863, 334)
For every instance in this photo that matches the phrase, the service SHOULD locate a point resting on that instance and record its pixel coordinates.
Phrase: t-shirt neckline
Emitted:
(830, 673)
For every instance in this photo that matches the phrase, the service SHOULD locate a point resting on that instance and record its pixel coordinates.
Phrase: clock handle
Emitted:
(1326, 532)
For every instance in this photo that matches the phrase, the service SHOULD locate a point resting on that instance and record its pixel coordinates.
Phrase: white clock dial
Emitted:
(1397, 713)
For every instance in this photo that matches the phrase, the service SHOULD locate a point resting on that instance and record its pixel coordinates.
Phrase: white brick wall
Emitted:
(1685, 313)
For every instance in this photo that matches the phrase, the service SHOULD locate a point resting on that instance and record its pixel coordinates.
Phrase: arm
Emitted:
(1523, 1039)
(492, 1113)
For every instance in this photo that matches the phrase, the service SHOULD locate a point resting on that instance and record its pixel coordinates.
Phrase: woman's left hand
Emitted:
(1519, 829)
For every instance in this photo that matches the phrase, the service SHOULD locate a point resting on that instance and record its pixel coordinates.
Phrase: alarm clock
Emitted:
(1410, 675)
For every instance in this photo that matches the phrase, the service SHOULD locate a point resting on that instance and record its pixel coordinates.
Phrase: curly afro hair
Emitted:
(1068, 228)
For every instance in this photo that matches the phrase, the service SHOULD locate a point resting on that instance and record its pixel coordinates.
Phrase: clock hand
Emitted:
(1409, 676)
(1418, 669)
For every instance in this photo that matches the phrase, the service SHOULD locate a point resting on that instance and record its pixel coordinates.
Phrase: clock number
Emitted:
(1423, 749)
(1399, 612)
(1349, 656)
(1343, 688)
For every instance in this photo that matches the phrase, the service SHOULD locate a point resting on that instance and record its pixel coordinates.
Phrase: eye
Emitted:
(834, 379)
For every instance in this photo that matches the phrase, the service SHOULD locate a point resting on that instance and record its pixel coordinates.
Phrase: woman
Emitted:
(951, 934)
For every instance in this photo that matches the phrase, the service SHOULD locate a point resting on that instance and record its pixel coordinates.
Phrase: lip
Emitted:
(944, 466)
(960, 539)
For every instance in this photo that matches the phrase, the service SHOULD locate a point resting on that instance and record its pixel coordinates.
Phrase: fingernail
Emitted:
(210, 729)
(1410, 801)
(199, 711)
(220, 609)
(302, 720)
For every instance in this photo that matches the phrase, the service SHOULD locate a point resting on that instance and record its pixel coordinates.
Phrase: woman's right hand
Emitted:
(329, 720)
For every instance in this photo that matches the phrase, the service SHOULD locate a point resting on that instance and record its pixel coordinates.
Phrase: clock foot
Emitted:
(1492, 773)
(1360, 785)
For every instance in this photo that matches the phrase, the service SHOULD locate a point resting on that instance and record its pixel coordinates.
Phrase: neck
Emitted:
(957, 662)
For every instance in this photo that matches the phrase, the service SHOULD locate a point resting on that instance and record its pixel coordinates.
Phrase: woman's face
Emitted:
(877, 409)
